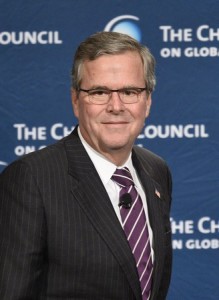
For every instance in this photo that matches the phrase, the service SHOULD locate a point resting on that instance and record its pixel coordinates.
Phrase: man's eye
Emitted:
(129, 92)
(98, 93)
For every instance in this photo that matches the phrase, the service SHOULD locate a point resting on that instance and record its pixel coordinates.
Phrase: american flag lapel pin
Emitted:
(157, 193)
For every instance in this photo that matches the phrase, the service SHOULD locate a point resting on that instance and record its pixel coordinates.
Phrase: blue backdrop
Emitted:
(37, 42)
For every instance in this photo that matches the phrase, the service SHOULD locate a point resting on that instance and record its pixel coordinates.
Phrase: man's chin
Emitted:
(117, 145)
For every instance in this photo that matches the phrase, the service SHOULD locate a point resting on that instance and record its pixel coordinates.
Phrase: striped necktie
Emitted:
(135, 226)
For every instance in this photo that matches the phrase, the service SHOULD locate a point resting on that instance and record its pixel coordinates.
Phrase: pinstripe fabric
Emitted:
(60, 240)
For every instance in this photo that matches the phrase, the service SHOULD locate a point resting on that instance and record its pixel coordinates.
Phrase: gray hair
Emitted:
(111, 43)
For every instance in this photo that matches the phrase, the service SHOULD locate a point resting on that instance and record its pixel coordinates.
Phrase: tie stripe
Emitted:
(136, 229)
(138, 239)
(145, 268)
(134, 225)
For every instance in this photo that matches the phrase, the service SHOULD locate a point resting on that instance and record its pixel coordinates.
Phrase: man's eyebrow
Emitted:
(99, 87)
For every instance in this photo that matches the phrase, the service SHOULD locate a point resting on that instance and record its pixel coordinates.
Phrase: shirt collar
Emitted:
(104, 167)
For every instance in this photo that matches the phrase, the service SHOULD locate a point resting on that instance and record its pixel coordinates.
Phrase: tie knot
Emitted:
(123, 177)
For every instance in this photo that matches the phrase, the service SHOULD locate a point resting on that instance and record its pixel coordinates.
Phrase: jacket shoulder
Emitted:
(48, 159)
(149, 157)
(154, 165)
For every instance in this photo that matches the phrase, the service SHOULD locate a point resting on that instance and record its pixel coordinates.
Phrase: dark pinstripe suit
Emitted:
(60, 237)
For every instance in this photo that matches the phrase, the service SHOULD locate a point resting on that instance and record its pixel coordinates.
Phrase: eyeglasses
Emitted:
(103, 95)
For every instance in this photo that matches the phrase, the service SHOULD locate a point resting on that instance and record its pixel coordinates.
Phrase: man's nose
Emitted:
(115, 103)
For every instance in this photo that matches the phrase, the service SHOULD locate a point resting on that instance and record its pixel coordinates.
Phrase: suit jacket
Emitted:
(60, 236)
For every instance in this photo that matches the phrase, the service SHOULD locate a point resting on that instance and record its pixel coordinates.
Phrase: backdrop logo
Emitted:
(2, 165)
(186, 42)
(27, 37)
(125, 24)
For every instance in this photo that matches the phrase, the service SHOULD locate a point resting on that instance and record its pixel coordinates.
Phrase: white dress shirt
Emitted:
(106, 169)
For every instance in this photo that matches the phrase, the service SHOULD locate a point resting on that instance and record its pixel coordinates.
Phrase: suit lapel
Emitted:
(154, 197)
(91, 195)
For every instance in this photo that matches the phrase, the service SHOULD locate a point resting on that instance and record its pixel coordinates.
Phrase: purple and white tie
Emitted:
(135, 226)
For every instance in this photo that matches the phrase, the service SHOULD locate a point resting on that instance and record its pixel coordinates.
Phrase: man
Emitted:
(63, 232)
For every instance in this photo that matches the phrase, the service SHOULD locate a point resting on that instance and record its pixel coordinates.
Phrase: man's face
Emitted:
(112, 127)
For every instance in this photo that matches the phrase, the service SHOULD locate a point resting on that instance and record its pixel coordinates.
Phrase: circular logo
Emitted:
(2, 165)
(125, 24)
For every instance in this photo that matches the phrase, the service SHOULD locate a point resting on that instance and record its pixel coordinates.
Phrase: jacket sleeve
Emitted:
(22, 232)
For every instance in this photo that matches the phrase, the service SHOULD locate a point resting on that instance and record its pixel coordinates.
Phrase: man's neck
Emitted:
(116, 156)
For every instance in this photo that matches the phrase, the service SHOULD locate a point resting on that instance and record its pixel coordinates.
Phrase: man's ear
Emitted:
(74, 100)
(148, 105)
